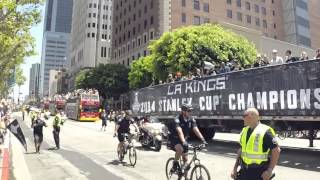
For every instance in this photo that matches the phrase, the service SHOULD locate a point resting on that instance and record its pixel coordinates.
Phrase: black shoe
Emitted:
(175, 166)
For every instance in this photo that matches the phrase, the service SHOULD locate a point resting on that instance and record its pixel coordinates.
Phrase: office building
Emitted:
(56, 39)
(34, 80)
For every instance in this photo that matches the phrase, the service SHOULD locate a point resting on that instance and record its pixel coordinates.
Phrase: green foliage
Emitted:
(16, 20)
(141, 73)
(20, 79)
(187, 48)
(110, 80)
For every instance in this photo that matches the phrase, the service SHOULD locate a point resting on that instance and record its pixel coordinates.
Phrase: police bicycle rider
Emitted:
(183, 124)
(122, 127)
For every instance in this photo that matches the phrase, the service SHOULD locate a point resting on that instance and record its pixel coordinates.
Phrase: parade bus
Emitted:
(57, 103)
(83, 108)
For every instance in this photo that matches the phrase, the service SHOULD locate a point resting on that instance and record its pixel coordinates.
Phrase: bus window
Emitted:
(90, 109)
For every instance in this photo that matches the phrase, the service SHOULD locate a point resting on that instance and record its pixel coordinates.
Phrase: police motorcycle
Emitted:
(151, 132)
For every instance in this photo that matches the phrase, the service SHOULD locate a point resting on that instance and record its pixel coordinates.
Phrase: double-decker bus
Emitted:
(83, 108)
(57, 103)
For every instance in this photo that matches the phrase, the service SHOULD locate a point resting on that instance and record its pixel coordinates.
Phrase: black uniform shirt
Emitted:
(124, 125)
(269, 140)
(186, 125)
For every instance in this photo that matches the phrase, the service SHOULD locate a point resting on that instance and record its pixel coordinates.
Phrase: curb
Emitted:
(283, 148)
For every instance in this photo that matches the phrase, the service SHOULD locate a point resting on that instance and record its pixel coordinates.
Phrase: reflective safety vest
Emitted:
(58, 120)
(252, 151)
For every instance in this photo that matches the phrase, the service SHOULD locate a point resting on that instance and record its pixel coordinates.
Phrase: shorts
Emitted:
(104, 122)
(38, 138)
(173, 141)
(120, 137)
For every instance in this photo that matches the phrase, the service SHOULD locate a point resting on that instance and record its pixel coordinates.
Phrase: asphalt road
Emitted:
(88, 153)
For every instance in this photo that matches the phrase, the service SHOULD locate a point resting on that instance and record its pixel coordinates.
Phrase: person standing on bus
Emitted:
(37, 126)
(104, 117)
(57, 122)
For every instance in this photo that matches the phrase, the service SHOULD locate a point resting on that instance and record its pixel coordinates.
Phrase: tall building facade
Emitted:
(137, 22)
(56, 39)
(91, 34)
(34, 81)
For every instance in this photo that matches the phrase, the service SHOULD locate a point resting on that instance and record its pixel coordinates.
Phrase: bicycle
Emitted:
(127, 146)
(198, 172)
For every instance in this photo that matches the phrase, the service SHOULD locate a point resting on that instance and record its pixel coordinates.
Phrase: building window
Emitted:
(101, 51)
(196, 20)
(248, 7)
(151, 20)
(229, 13)
(273, 12)
(239, 3)
(93, 24)
(183, 18)
(145, 24)
(256, 8)
(151, 5)
(139, 55)
(144, 53)
(145, 39)
(90, 5)
(94, 14)
(88, 25)
(196, 4)
(257, 21)
(274, 25)
(263, 10)
(95, 5)
(92, 35)
(206, 7)
(139, 41)
(239, 16)
(88, 35)
(228, 1)
(249, 19)
(183, 3)
(89, 15)
(206, 20)
(264, 23)
(128, 62)
(151, 35)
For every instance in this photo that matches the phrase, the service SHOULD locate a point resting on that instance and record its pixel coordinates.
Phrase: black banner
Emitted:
(15, 128)
(282, 90)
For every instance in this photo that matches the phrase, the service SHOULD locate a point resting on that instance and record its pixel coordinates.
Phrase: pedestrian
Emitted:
(104, 117)
(275, 58)
(23, 109)
(37, 126)
(57, 122)
(259, 152)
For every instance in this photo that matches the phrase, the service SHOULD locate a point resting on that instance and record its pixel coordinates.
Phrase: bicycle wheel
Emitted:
(170, 172)
(282, 135)
(132, 156)
(200, 172)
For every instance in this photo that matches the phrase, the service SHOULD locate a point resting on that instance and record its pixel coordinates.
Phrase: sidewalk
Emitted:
(287, 143)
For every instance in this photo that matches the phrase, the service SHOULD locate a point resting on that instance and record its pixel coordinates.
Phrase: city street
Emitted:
(88, 153)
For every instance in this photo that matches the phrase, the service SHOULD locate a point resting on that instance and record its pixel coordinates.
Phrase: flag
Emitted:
(15, 129)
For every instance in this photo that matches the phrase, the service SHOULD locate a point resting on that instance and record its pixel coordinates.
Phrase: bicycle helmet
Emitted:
(186, 107)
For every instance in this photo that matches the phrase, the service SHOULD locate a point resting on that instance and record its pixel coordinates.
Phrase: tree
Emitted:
(187, 48)
(141, 73)
(16, 20)
(111, 80)
(20, 79)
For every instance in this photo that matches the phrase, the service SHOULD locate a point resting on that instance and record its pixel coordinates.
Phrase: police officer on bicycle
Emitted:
(259, 151)
(183, 124)
(122, 127)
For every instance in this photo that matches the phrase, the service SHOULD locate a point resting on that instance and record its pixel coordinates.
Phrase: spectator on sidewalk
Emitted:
(37, 126)
(317, 54)
(275, 60)
(289, 57)
(304, 56)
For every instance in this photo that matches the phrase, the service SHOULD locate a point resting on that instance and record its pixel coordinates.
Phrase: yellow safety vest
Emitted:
(252, 151)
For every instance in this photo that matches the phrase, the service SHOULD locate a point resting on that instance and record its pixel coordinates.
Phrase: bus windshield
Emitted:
(90, 109)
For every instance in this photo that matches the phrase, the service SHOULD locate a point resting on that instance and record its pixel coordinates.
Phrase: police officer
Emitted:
(259, 151)
(122, 127)
(37, 125)
(57, 122)
(183, 124)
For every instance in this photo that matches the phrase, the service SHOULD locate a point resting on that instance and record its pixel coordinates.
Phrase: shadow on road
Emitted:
(293, 158)
(117, 163)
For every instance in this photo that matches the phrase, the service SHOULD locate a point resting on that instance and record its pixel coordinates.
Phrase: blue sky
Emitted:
(37, 33)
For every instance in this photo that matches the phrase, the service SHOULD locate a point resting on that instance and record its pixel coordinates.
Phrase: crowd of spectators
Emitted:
(75, 93)
(209, 68)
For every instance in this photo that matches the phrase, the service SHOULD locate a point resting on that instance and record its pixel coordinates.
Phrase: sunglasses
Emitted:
(245, 115)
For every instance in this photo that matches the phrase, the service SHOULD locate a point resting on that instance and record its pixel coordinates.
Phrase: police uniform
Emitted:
(186, 125)
(57, 122)
(256, 145)
(124, 127)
